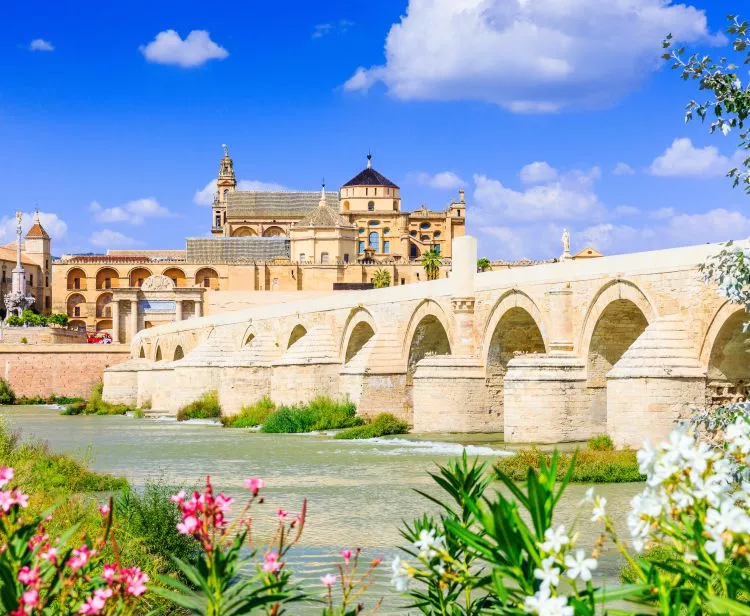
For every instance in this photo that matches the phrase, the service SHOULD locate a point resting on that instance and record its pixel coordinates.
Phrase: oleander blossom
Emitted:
(6, 475)
(203, 514)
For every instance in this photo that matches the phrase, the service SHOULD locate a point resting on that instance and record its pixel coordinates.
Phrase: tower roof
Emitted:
(369, 177)
(37, 230)
(324, 216)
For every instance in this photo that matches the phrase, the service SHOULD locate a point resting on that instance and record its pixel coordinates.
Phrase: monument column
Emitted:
(178, 310)
(115, 321)
(463, 270)
(560, 318)
(133, 318)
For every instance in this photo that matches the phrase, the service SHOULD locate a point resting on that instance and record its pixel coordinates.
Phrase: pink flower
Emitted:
(281, 514)
(254, 484)
(6, 500)
(188, 525)
(223, 502)
(179, 497)
(19, 498)
(28, 576)
(108, 572)
(346, 555)
(135, 581)
(328, 580)
(6, 475)
(95, 603)
(30, 597)
(50, 555)
(271, 562)
(104, 510)
(80, 557)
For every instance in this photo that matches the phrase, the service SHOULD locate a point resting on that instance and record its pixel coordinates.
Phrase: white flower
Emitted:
(729, 517)
(555, 539)
(646, 458)
(715, 546)
(428, 543)
(400, 577)
(737, 83)
(545, 605)
(599, 511)
(588, 496)
(548, 574)
(580, 566)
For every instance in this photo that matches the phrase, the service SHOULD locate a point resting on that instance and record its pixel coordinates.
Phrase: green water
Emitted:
(358, 492)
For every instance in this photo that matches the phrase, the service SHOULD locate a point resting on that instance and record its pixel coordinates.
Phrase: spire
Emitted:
(322, 202)
(37, 230)
(226, 150)
(369, 159)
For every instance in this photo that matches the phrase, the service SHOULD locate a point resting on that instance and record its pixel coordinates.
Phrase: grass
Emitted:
(382, 425)
(593, 464)
(321, 413)
(7, 395)
(97, 406)
(205, 407)
(251, 416)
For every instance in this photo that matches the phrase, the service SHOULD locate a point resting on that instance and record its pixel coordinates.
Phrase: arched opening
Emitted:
(77, 325)
(413, 251)
(360, 335)
(176, 275)
(107, 278)
(158, 354)
(104, 325)
(274, 232)
(138, 275)
(178, 353)
(516, 333)
(244, 232)
(207, 277)
(142, 354)
(617, 328)
(298, 332)
(430, 338)
(728, 375)
(249, 339)
(104, 305)
(76, 279)
(346, 206)
(76, 305)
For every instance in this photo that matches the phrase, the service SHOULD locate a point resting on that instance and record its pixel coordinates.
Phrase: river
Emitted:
(358, 491)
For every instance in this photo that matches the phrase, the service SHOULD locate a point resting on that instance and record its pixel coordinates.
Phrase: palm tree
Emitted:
(483, 264)
(431, 262)
(381, 278)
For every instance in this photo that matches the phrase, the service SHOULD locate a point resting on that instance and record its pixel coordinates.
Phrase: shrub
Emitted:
(97, 406)
(14, 321)
(59, 319)
(76, 408)
(601, 442)
(251, 416)
(382, 425)
(7, 395)
(381, 279)
(205, 407)
(322, 413)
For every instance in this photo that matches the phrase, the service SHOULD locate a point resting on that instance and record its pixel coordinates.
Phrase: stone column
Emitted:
(463, 271)
(560, 321)
(133, 318)
(115, 321)
(178, 310)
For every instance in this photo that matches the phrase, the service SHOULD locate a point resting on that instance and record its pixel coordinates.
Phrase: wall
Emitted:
(41, 335)
(62, 369)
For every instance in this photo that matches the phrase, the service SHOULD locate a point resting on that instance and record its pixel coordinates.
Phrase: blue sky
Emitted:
(112, 124)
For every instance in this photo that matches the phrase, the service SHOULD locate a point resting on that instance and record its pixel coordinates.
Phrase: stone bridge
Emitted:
(548, 353)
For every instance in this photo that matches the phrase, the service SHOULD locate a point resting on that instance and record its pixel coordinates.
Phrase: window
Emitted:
(46, 281)
(371, 206)
(324, 257)
(403, 281)
(206, 282)
(301, 257)
(346, 206)
(458, 213)
(367, 191)
(436, 248)
(77, 311)
(31, 280)
(373, 240)
(373, 223)
(218, 221)
(346, 257)
(437, 234)
(424, 225)
(76, 283)
(386, 247)
(361, 248)
(425, 238)
(386, 231)
(413, 233)
(108, 283)
(361, 230)
(48, 302)
(376, 192)
(226, 192)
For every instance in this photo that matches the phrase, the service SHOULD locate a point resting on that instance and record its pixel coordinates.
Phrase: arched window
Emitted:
(226, 193)
(361, 247)
(373, 223)
(386, 247)
(386, 231)
(346, 206)
(413, 233)
(424, 225)
(437, 234)
(371, 206)
(373, 240)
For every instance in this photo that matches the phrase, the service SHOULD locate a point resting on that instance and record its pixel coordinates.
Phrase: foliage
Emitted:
(431, 263)
(60, 319)
(251, 416)
(24, 340)
(97, 406)
(730, 271)
(600, 442)
(7, 395)
(382, 425)
(483, 264)
(592, 466)
(321, 413)
(30, 318)
(75, 408)
(52, 399)
(381, 278)
(14, 321)
(205, 407)
(728, 100)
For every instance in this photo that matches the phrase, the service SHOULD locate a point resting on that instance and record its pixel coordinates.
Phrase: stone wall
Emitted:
(62, 369)
(41, 335)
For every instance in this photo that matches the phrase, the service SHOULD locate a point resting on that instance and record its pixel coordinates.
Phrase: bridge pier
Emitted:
(121, 381)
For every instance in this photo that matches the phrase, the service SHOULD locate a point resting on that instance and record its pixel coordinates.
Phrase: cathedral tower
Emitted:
(37, 249)
(225, 183)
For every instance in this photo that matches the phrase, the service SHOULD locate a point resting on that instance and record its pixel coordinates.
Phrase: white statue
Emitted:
(566, 244)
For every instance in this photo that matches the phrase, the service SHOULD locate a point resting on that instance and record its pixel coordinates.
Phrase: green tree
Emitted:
(431, 262)
(59, 319)
(381, 278)
(483, 264)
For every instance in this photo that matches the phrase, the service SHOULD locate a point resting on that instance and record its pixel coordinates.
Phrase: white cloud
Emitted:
(205, 196)
(569, 196)
(106, 238)
(41, 45)
(197, 49)
(537, 172)
(625, 210)
(623, 169)
(340, 27)
(321, 30)
(683, 159)
(55, 227)
(132, 212)
(662, 213)
(445, 180)
(528, 56)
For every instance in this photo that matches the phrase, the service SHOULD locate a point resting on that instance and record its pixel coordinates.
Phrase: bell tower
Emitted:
(225, 183)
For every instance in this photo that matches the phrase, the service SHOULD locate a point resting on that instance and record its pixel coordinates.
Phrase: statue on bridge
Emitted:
(566, 246)
(17, 300)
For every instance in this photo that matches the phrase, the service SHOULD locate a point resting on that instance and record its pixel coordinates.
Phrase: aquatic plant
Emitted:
(251, 416)
(321, 413)
(7, 395)
(382, 425)
(96, 405)
(205, 407)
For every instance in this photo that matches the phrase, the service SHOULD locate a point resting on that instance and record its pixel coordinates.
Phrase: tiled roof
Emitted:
(37, 230)
(324, 216)
(275, 204)
(370, 177)
(9, 254)
(236, 249)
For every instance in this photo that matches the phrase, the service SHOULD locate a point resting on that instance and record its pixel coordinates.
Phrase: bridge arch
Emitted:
(158, 354)
(428, 333)
(248, 336)
(297, 332)
(505, 303)
(725, 356)
(360, 327)
(142, 353)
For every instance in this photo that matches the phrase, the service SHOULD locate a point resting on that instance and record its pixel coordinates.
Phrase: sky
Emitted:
(551, 114)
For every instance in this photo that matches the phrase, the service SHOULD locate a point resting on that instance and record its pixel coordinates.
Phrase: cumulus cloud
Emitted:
(205, 196)
(55, 227)
(623, 169)
(445, 180)
(529, 57)
(132, 212)
(195, 50)
(625, 210)
(41, 45)
(107, 238)
(683, 159)
(537, 173)
(340, 26)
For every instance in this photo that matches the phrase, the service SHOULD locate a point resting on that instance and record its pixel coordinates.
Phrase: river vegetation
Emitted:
(382, 425)
(251, 416)
(205, 407)
(321, 413)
